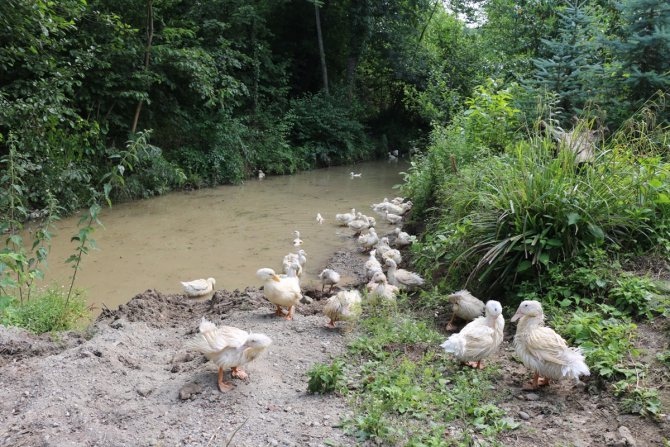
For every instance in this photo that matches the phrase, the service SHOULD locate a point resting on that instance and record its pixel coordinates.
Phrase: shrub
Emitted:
(327, 130)
(48, 312)
(324, 378)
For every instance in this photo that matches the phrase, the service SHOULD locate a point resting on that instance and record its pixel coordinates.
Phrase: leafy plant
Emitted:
(50, 311)
(324, 379)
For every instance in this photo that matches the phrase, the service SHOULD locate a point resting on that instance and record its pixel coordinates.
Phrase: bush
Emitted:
(327, 130)
(324, 378)
(47, 312)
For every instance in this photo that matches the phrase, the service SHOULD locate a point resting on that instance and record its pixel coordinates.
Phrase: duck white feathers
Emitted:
(465, 306)
(401, 278)
(198, 287)
(319, 218)
(379, 290)
(229, 348)
(392, 254)
(344, 218)
(345, 305)
(542, 350)
(369, 240)
(372, 265)
(354, 175)
(393, 219)
(402, 239)
(479, 338)
(282, 292)
(329, 277)
(297, 242)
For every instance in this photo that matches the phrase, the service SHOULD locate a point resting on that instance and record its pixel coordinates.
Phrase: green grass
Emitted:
(405, 391)
(48, 311)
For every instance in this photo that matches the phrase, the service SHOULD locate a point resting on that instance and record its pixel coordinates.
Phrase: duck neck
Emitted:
(529, 322)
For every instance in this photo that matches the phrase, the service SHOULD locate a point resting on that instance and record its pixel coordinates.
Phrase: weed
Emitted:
(324, 378)
(47, 312)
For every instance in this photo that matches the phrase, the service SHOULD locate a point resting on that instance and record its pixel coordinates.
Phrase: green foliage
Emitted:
(326, 129)
(324, 379)
(405, 393)
(50, 311)
(638, 400)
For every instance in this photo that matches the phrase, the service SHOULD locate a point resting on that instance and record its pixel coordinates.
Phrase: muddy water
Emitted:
(226, 232)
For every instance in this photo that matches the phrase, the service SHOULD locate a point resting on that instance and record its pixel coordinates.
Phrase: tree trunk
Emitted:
(322, 53)
(147, 58)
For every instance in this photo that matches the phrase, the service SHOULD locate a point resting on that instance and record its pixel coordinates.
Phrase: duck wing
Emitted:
(545, 344)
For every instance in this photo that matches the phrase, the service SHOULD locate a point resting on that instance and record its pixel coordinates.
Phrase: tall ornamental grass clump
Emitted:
(518, 212)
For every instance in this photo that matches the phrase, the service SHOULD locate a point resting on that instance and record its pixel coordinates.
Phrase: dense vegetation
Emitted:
(103, 100)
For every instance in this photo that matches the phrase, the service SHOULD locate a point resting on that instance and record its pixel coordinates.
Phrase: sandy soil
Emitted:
(132, 383)
(127, 381)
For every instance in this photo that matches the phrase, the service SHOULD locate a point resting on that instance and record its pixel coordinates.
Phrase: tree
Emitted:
(643, 48)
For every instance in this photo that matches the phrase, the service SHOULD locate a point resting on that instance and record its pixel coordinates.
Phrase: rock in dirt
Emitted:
(532, 397)
(189, 391)
(523, 415)
(625, 433)
(144, 390)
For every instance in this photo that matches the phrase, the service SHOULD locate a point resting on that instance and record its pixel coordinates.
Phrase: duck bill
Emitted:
(276, 278)
(516, 317)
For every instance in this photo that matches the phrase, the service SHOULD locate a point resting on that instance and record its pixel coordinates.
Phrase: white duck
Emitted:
(354, 175)
(402, 239)
(329, 277)
(346, 305)
(198, 287)
(297, 242)
(465, 306)
(361, 223)
(392, 157)
(344, 218)
(261, 175)
(402, 278)
(393, 219)
(372, 265)
(479, 338)
(379, 290)
(542, 350)
(383, 246)
(229, 348)
(319, 218)
(367, 241)
(280, 291)
(392, 254)
(292, 262)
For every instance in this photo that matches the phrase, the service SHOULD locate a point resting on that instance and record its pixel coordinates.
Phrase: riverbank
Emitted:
(128, 380)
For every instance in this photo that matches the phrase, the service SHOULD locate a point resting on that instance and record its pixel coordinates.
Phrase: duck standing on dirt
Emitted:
(198, 287)
(329, 277)
(479, 338)
(542, 350)
(229, 348)
(345, 306)
(379, 290)
(401, 278)
(280, 291)
(465, 306)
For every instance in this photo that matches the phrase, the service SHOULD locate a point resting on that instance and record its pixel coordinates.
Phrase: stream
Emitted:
(227, 232)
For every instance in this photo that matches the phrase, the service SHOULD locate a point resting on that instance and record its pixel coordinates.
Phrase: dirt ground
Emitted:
(127, 381)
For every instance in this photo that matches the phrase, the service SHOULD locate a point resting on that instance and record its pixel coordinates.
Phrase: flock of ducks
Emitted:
(541, 349)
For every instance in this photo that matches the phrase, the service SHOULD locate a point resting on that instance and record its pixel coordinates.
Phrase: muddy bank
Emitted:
(132, 383)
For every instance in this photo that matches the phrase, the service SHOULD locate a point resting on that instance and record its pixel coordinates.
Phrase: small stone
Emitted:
(532, 397)
(306, 300)
(521, 397)
(175, 368)
(97, 353)
(273, 442)
(55, 424)
(610, 439)
(182, 357)
(144, 390)
(116, 324)
(189, 391)
(523, 415)
(625, 433)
